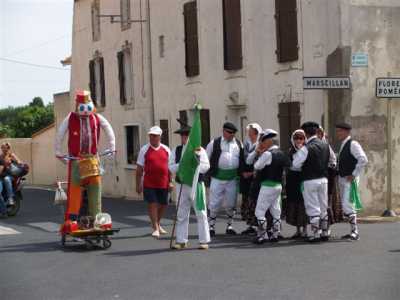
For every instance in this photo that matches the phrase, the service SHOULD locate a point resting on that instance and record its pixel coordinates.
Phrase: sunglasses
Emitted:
(298, 138)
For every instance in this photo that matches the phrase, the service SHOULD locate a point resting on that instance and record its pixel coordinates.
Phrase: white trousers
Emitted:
(268, 198)
(315, 196)
(344, 190)
(222, 192)
(182, 222)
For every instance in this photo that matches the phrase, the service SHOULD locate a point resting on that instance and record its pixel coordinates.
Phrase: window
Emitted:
(286, 30)
(232, 35)
(191, 39)
(161, 45)
(125, 6)
(132, 143)
(96, 20)
(289, 121)
(165, 132)
(125, 75)
(205, 127)
(97, 82)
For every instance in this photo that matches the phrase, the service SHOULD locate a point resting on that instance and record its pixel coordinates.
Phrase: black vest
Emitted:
(316, 164)
(178, 154)
(216, 153)
(347, 162)
(274, 171)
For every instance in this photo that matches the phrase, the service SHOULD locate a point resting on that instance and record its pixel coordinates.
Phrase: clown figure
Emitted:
(83, 128)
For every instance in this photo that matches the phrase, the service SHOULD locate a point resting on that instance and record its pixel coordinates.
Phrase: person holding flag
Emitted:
(191, 190)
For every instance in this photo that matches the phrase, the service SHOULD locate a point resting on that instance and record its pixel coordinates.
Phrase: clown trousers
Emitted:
(182, 222)
(92, 185)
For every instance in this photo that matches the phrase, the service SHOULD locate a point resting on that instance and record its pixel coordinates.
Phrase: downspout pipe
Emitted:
(153, 115)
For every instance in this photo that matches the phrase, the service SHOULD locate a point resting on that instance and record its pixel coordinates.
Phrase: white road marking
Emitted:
(8, 231)
(46, 226)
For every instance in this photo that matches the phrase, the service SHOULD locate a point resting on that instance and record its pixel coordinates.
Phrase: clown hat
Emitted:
(83, 97)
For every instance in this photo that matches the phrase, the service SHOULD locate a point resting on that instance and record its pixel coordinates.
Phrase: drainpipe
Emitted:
(150, 62)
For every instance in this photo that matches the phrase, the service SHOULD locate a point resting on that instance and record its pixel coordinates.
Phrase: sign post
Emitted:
(388, 88)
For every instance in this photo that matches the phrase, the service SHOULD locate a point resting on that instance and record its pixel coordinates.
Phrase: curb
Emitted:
(378, 219)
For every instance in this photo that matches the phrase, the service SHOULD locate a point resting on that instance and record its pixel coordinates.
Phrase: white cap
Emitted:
(268, 134)
(155, 130)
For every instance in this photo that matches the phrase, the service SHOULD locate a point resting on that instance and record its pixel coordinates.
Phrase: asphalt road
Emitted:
(33, 265)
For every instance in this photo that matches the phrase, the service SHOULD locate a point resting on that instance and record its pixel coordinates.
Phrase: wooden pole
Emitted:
(176, 216)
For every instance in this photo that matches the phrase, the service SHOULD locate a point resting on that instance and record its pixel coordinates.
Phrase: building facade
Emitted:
(148, 61)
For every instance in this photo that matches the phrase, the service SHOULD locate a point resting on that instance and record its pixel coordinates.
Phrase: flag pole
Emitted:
(176, 216)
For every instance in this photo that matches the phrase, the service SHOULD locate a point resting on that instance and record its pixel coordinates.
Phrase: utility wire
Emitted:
(32, 65)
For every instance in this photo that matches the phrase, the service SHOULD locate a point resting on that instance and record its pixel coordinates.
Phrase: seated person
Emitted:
(8, 158)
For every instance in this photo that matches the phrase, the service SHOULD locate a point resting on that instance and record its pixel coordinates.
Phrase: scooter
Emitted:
(94, 233)
(18, 184)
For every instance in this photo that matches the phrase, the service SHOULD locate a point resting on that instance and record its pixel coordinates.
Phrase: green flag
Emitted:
(189, 162)
(188, 170)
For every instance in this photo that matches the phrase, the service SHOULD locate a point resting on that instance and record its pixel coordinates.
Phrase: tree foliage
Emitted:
(23, 121)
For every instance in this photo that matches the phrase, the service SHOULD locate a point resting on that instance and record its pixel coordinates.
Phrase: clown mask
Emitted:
(85, 109)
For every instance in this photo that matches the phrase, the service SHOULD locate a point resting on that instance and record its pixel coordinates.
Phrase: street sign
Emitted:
(359, 60)
(388, 87)
(318, 83)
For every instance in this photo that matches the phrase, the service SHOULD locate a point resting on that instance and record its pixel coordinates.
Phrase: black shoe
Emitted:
(212, 232)
(296, 236)
(324, 238)
(354, 236)
(312, 239)
(230, 230)
(249, 231)
(259, 240)
(274, 239)
(281, 237)
(346, 237)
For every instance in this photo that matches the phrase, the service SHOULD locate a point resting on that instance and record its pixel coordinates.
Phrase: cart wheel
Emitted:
(89, 244)
(63, 238)
(106, 243)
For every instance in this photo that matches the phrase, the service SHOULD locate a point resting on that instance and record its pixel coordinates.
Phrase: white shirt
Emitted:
(357, 151)
(265, 158)
(230, 153)
(143, 150)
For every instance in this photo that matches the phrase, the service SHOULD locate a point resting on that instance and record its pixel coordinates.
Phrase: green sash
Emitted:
(270, 183)
(355, 198)
(228, 174)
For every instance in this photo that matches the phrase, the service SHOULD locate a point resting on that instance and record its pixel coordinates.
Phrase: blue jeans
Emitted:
(3, 207)
(7, 181)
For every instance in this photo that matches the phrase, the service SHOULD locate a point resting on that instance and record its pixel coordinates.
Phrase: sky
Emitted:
(36, 32)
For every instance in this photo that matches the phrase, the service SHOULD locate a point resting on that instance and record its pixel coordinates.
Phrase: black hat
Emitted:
(230, 126)
(310, 124)
(343, 126)
(185, 128)
(268, 134)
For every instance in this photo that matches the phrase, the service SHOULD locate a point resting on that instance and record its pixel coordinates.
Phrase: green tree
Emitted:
(23, 121)
(37, 101)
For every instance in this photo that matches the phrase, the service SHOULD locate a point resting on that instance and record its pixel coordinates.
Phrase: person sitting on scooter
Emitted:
(3, 207)
(9, 158)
